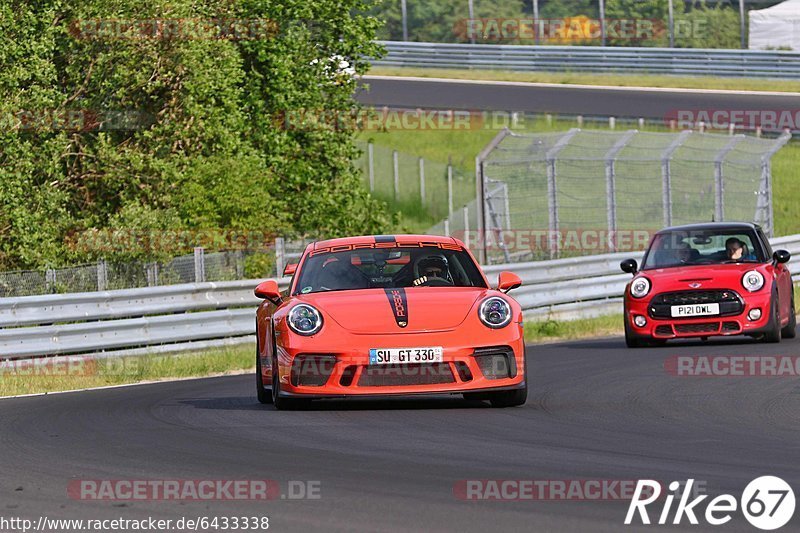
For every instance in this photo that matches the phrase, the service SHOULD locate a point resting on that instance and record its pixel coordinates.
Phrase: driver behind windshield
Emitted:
(432, 267)
(736, 250)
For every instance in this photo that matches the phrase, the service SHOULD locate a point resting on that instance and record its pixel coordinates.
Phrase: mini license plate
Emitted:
(391, 356)
(695, 310)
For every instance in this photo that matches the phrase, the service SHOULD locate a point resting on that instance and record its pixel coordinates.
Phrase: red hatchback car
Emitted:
(701, 280)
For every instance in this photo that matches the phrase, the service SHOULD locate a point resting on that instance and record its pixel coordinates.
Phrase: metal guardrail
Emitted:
(197, 315)
(676, 61)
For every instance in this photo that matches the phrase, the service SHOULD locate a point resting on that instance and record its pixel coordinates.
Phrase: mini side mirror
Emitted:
(781, 256)
(290, 269)
(268, 290)
(508, 281)
(630, 266)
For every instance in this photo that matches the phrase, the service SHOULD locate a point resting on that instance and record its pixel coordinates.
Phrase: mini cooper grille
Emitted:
(730, 303)
(730, 326)
(704, 327)
(496, 362)
(312, 370)
(413, 374)
(664, 330)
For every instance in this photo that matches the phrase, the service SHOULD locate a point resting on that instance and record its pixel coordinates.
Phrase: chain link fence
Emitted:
(414, 184)
(584, 192)
(198, 267)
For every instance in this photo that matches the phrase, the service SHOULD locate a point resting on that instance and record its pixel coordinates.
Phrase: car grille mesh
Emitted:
(730, 303)
(406, 374)
(496, 362)
(312, 370)
(703, 327)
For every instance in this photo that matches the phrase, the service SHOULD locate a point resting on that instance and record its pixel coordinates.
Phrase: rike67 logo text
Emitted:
(767, 502)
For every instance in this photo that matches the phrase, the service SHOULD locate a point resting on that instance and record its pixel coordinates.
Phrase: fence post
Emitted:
(466, 226)
(764, 201)
(238, 259)
(422, 180)
(102, 275)
(611, 186)
(280, 256)
(199, 265)
(396, 173)
(371, 166)
(719, 183)
(50, 280)
(151, 271)
(449, 186)
(666, 175)
(447, 227)
(552, 191)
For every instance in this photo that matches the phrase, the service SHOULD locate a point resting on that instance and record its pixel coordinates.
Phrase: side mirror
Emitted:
(508, 281)
(268, 290)
(290, 269)
(781, 256)
(630, 266)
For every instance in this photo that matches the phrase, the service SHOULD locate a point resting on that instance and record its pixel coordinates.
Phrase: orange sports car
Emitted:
(388, 316)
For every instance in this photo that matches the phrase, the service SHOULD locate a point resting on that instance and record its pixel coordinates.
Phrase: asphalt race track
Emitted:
(596, 411)
(565, 99)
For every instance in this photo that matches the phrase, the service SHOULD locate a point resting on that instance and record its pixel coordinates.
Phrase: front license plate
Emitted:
(390, 356)
(695, 310)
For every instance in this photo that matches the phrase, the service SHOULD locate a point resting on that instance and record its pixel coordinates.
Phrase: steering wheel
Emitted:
(435, 282)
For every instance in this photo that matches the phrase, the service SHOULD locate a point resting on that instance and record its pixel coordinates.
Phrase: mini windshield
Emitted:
(681, 248)
(422, 266)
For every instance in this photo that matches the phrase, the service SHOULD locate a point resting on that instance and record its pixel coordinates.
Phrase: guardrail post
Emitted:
(396, 174)
(719, 183)
(102, 275)
(280, 256)
(199, 265)
(666, 175)
(151, 272)
(422, 180)
(611, 186)
(371, 166)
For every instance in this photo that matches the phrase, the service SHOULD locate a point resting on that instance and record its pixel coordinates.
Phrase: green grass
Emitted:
(577, 78)
(560, 330)
(118, 371)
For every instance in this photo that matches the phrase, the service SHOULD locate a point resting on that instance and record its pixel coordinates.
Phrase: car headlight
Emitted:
(640, 287)
(495, 312)
(304, 319)
(752, 280)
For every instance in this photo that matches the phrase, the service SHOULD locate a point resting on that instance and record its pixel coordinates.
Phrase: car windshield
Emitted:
(682, 248)
(367, 268)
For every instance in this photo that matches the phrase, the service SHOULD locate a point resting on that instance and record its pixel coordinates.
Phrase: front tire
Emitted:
(631, 340)
(790, 331)
(510, 398)
(284, 404)
(264, 396)
(773, 335)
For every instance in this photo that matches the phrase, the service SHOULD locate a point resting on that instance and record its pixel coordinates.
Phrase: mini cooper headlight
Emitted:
(495, 312)
(304, 319)
(640, 287)
(752, 280)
